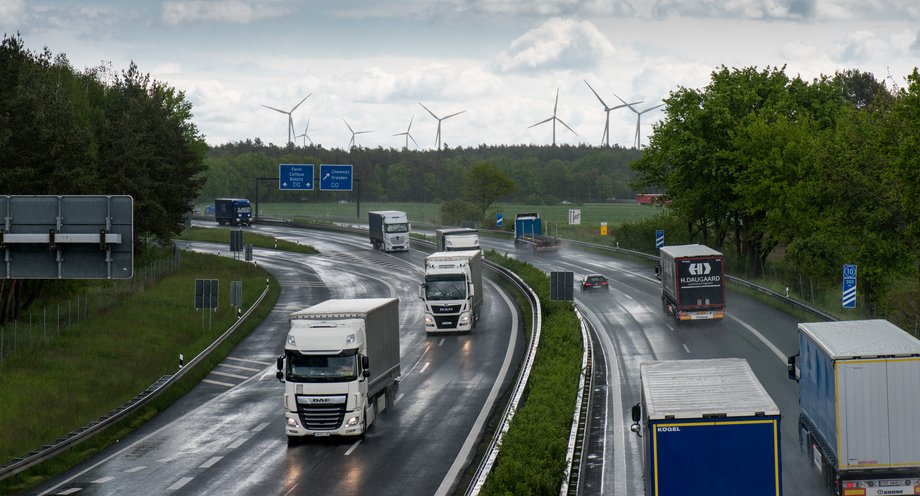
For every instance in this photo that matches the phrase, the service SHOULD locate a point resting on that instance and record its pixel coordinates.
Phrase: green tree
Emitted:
(485, 185)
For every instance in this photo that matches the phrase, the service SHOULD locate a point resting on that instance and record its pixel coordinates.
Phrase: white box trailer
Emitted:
(859, 396)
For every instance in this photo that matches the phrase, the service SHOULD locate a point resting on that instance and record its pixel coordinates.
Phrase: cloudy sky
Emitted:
(370, 62)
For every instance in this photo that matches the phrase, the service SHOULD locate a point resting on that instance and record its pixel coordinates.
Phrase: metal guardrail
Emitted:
(574, 457)
(145, 397)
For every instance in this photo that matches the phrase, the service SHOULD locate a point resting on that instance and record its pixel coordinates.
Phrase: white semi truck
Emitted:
(340, 366)
(452, 290)
(457, 239)
(389, 230)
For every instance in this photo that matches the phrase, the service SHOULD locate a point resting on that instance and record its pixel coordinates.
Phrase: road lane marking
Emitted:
(687, 348)
(218, 383)
(179, 483)
(236, 444)
(210, 463)
(442, 341)
(353, 447)
(257, 362)
(135, 469)
(261, 426)
(239, 367)
(424, 367)
(71, 491)
(102, 480)
(228, 374)
(761, 337)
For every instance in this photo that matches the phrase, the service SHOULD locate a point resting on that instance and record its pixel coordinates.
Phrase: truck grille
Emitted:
(435, 308)
(446, 322)
(320, 417)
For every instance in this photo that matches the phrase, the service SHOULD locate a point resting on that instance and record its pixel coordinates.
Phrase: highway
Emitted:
(632, 329)
(227, 436)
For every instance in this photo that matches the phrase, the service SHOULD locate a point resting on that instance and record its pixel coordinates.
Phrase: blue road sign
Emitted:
(498, 220)
(659, 238)
(849, 286)
(335, 177)
(295, 177)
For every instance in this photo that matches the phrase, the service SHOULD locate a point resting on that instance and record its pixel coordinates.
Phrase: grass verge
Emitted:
(222, 235)
(106, 360)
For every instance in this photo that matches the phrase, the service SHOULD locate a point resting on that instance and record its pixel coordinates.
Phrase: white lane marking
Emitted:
(399, 397)
(210, 463)
(473, 437)
(218, 383)
(424, 367)
(669, 326)
(236, 444)
(261, 426)
(135, 469)
(179, 483)
(228, 374)
(353, 447)
(687, 348)
(428, 347)
(258, 362)
(761, 337)
(441, 341)
(102, 480)
(239, 367)
(71, 491)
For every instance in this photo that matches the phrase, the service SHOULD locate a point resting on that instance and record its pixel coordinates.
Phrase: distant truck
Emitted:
(692, 282)
(389, 230)
(859, 402)
(340, 366)
(452, 290)
(708, 427)
(457, 239)
(233, 211)
(528, 234)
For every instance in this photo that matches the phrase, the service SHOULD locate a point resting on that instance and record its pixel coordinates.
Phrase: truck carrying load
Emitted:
(452, 290)
(233, 211)
(528, 234)
(457, 239)
(859, 398)
(389, 230)
(708, 427)
(692, 282)
(340, 366)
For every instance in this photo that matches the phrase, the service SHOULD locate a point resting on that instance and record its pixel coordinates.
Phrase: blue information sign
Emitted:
(295, 177)
(659, 238)
(498, 220)
(849, 286)
(335, 177)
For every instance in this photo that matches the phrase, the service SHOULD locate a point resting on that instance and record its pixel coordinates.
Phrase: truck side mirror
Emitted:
(790, 368)
(421, 291)
(636, 416)
(472, 289)
(366, 365)
(658, 272)
(280, 363)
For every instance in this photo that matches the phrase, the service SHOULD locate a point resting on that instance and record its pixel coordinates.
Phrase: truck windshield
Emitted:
(321, 368)
(396, 228)
(445, 287)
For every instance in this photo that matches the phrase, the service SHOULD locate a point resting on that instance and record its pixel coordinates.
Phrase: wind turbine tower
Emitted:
(305, 136)
(351, 144)
(290, 119)
(554, 119)
(638, 118)
(438, 135)
(605, 139)
(407, 135)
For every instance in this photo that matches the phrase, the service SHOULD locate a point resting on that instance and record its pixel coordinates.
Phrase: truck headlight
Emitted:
(465, 318)
(353, 421)
(429, 320)
(291, 422)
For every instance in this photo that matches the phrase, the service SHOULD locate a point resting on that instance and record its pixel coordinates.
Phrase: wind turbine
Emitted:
(605, 139)
(351, 144)
(290, 119)
(554, 119)
(438, 135)
(638, 118)
(305, 136)
(408, 136)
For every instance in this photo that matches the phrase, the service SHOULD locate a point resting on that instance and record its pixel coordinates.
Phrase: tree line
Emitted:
(94, 132)
(821, 173)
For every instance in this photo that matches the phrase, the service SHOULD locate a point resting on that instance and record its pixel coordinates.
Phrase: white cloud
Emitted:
(166, 69)
(11, 12)
(862, 46)
(220, 11)
(505, 9)
(556, 44)
(736, 9)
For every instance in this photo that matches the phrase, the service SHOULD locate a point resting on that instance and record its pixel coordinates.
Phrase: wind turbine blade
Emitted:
(541, 122)
(364, 132)
(451, 115)
(598, 96)
(566, 126)
(430, 112)
(410, 123)
(627, 104)
(413, 140)
(400, 134)
(304, 99)
(349, 127)
(556, 105)
(276, 110)
(651, 108)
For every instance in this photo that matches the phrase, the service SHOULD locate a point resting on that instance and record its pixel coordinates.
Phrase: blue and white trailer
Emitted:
(708, 427)
(859, 399)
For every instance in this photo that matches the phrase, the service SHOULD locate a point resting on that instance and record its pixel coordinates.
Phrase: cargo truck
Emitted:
(389, 230)
(859, 405)
(452, 290)
(340, 366)
(457, 239)
(692, 282)
(528, 234)
(233, 211)
(707, 427)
